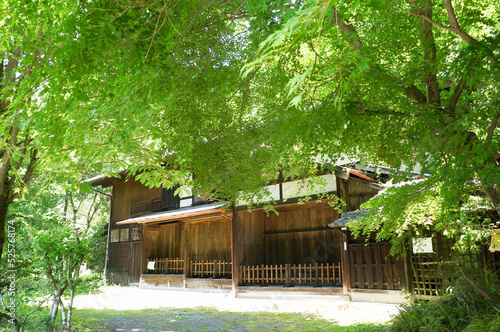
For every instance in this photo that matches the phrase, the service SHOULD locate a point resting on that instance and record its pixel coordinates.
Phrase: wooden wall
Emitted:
(371, 267)
(125, 262)
(249, 237)
(171, 241)
(161, 241)
(299, 234)
(124, 194)
(210, 240)
(354, 192)
(207, 240)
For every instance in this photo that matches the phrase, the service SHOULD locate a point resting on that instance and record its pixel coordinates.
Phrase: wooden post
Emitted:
(287, 274)
(186, 251)
(316, 275)
(262, 274)
(235, 249)
(177, 242)
(407, 271)
(346, 276)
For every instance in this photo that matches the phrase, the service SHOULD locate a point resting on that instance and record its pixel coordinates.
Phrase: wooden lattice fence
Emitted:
(323, 274)
(216, 269)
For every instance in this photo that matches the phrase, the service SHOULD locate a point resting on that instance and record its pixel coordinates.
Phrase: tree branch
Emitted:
(429, 45)
(345, 27)
(414, 93)
(431, 21)
(472, 283)
(454, 26)
(493, 127)
(32, 311)
(456, 95)
(7, 317)
(6, 159)
(348, 29)
(28, 175)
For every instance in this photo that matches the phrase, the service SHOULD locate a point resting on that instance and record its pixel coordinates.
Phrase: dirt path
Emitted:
(172, 314)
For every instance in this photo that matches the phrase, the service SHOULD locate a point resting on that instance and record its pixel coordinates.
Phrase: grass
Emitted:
(205, 319)
(169, 319)
(189, 319)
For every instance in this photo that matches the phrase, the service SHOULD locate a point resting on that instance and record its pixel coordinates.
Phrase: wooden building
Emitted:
(158, 239)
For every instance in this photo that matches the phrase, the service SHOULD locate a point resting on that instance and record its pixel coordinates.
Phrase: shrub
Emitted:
(462, 308)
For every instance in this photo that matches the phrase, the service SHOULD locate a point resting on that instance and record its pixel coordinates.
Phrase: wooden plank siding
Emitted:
(200, 248)
(371, 267)
(354, 192)
(210, 240)
(294, 247)
(170, 243)
(135, 262)
(119, 263)
(127, 193)
(301, 236)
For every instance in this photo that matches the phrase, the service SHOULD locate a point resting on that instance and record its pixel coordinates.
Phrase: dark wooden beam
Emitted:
(299, 230)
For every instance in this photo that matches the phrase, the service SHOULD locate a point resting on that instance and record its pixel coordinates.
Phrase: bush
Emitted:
(463, 308)
(89, 283)
(485, 324)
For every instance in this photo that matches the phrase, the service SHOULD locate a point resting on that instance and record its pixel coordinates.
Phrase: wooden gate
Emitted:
(371, 267)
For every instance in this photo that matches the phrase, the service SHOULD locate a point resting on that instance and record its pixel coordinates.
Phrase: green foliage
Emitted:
(235, 92)
(461, 309)
(89, 283)
(411, 210)
(56, 231)
(485, 323)
(29, 292)
(97, 245)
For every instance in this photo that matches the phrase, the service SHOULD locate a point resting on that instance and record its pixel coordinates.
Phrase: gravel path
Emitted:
(134, 298)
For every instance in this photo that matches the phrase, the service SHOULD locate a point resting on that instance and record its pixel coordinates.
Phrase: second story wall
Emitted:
(131, 192)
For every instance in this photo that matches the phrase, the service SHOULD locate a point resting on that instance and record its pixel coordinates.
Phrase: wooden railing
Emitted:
(210, 269)
(216, 269)
(145, 206)
(324, 274)
(167, 266)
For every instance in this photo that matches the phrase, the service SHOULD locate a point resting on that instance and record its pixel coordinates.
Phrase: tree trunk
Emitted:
(3, 218)
(494, 196)
(8, 318)
(64, 319)
(53, 312)
(67, 321)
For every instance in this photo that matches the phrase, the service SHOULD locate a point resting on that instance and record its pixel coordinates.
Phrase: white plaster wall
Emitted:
(185, 202)
(293, 189)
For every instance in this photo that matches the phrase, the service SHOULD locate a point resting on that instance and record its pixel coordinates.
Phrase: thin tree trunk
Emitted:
(53, 312)
(8, 318)
(3, 218)
(69, 309)
(64, 318)
(57, 294)
(494, 196)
